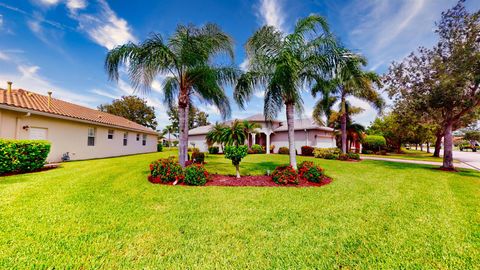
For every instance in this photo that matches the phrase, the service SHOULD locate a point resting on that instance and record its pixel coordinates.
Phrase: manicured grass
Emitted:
(104, 214)
(411, 155)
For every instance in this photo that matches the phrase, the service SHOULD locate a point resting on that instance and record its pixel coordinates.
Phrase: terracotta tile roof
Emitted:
(20, 98)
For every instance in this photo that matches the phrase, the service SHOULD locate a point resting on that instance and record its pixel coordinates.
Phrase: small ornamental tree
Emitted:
(374, 142)
(236, 153)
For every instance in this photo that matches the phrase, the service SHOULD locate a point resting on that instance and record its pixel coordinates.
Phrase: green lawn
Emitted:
(410, 155)
(104, 214)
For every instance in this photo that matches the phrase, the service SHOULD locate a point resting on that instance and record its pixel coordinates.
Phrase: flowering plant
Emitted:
(309, 171)
(196, 175)
(285, 175)
(166, 170)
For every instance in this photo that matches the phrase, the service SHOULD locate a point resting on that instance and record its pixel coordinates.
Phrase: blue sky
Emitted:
(60, 45)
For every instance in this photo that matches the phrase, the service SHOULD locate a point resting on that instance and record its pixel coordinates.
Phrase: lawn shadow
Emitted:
(403, 166)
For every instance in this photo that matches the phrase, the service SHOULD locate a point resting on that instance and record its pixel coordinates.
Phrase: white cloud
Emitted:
(270, 13)
(1, 20)
(76, 4)
(105, 27)
(4, 56)
(259, 93)
(47, 3)
(244, 65)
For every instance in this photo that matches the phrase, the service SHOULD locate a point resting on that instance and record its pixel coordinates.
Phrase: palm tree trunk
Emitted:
(448, 147)
(185, 134)
(183, 143)
(291, 134)
(169, 140)
(343, 126)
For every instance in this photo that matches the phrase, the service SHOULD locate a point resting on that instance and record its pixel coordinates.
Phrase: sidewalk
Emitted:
(457, 165)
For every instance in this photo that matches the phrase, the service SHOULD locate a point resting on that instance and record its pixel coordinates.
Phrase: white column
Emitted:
(253, 138)
(268, 143)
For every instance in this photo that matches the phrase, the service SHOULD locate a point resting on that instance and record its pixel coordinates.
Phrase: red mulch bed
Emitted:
(258, 181)
(255, 181)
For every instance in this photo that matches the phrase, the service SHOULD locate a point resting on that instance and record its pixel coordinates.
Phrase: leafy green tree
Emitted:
(442, 83)
(472, 136)
(215, 134)
(196, 118)
(133, 108)
(187, 61)
(250, 128)
(280, 63)
(236, 153)
(347, 79)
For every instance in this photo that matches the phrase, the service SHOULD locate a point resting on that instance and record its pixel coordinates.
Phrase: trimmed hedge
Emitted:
(258, 149)
(159, 147)
(374, 142)
(327, 153)
(23, 155)
(213, 150)
(198, 157)
(283, 150)
(307, 151)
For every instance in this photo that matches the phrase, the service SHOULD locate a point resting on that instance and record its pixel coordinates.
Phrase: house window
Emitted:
(91, 137)
(144, 139)
(110, 134)
(125, 138)
(138, 137)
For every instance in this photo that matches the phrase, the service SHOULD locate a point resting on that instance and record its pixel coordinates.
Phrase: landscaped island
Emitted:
(105, 214)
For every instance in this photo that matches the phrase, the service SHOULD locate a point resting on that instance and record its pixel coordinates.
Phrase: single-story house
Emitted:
(275, 132)
(81, 132)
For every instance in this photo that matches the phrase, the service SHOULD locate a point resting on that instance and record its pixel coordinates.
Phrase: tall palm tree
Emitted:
(281, 64)
(348, 79)
(186, 59)
(250, 128)
(168, 130)
(234, 134)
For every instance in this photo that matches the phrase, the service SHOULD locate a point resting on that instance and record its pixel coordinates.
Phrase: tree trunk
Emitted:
(428, 147)
(169, 140)
(182, 157)
(421, 147)
(416, 146)
(237, 168)
(448, 147)
(343, 125)
(438, 145)
(291, 134)
(185, 134)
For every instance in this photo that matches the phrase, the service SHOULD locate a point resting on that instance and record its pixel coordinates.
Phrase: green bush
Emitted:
(283, 150)
(283, 175)
(159, 147)
(326, 153)
(309, 171)
(257, 149)
(343, 157)
(166, 170)
(367, 152)
(354, 156)
(198, 157)
(22, 155)
(196, 175)
(374, 142)
(235, 154)
(213, 150)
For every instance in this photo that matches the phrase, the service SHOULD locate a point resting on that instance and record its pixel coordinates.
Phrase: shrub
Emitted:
(309, 171)
(283, 175)
(166, 170)
(343, 157)
(367, 152)
(175, 143)
(272, 148)
(198, 157)
(213, 150)
(326, 153)
(235, 154)
(374, 142)
(283, 150)
(22, 155)
(354, 156)
(193, 149)
(159, 147)
(196, 175)
(307, 150)
(258, 149)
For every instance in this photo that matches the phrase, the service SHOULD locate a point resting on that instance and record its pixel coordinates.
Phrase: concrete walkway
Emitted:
(457, 165)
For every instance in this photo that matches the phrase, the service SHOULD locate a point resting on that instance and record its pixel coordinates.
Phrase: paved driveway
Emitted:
(470, 158)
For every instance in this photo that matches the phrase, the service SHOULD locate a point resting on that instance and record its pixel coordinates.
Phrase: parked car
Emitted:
(469, 145)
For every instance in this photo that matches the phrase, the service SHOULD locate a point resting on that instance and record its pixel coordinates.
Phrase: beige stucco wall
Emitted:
(71, 136)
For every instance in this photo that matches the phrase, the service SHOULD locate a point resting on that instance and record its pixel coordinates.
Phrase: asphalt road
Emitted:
(470, 158)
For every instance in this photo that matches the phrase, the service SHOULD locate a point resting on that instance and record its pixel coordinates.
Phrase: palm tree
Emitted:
(186, 61)
(281, 64)
(250, 128)
(347, 79)
(215, 134)
(234, 134)
(168, 130)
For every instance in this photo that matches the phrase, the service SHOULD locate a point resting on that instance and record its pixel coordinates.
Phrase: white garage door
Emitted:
(38, 134)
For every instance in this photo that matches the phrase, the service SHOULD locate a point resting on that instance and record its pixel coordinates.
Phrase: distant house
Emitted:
(275, 132)
(82, 132)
